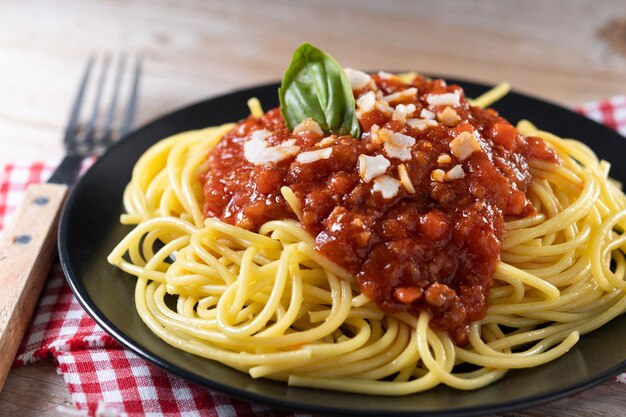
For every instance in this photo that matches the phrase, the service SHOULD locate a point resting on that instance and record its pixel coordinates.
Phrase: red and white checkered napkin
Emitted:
(101, 376)
(100, 373)
(611, 112)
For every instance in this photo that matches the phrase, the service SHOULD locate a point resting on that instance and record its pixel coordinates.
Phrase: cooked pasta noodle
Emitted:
(268, 304)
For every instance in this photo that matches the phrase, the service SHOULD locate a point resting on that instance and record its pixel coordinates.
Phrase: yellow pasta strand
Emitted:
(269, 305)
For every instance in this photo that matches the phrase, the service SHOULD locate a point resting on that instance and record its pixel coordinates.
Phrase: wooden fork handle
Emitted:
(27, 249)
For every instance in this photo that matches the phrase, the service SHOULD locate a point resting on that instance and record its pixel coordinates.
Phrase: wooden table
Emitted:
(568, 52)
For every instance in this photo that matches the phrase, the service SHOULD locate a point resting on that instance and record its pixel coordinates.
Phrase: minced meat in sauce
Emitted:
(430, 245)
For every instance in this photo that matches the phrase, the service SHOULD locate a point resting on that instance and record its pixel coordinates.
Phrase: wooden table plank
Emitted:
(555, 50)
(34, 391)
(550, 49)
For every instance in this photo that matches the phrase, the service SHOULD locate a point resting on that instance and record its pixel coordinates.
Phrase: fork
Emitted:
(28, 244)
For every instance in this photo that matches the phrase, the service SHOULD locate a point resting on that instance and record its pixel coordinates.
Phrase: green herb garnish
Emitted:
(316, 87)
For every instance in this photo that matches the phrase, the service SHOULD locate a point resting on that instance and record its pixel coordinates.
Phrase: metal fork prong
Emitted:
(132, 102)
(76, 145)
(90, 130)
(72, 125)
(107, 133)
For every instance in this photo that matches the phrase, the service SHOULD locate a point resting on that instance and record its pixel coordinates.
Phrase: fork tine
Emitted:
(72, 124)
(91, 124)
(100, 130)
(132, 103)
(107, 135)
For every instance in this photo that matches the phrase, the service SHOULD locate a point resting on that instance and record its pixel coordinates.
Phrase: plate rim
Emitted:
(87, 303)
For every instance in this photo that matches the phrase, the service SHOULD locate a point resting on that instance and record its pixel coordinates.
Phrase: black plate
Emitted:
(90, 229)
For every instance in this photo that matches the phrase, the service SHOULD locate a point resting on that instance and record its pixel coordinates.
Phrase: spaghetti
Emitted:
(269, 304)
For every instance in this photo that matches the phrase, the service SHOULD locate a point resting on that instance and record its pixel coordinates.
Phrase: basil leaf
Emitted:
(316, 87)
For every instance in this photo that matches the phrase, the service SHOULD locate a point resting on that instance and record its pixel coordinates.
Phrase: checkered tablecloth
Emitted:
(104, 378)
(101, 375)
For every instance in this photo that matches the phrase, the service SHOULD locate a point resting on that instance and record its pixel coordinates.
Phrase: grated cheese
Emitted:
(407, 77)
(403, 174)
(446, 99)
(427, 114)
(396, 145)
(308, 125)
(312, 156)
(396, 152)
(421, 124)
(327, 141)
(438, 175)
(256, 150)
(374, 134)
(448, 117)
(386, 185)
(444, 158)
(366, 101)
(384, 108)
(455, 173)
(359, 79)
(386, 75)
(261, 134)
(402, 111)
(372, 166)
(395, 138)
(407, 94)
(464, 145)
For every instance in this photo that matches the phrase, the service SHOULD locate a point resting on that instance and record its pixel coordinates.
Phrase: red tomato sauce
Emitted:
(435, 249)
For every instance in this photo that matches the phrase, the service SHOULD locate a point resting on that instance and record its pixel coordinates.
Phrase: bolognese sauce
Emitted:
(414, 208)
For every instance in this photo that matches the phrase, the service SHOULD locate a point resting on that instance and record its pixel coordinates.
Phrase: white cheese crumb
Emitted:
(279, 152)
(444, 158)
(396, 139)
(402, 111)
(366, 101)
(386, 75)
(372, 166)
(403, 174)
(427, 114)
(421, 124)
(308, 125)
(438, 175)
(374, 134)
(327, 141)
(407, 94)
(403, 154)
(384, 108)
(448, 117)
(446, 99)
(464, 145)
(386, 185)
(312, 156)
(455, 173)
(358, 79)
(397, 145)
(260, 134)
(256, 150)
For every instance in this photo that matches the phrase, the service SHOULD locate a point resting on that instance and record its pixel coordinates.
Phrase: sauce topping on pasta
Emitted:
(414, 208)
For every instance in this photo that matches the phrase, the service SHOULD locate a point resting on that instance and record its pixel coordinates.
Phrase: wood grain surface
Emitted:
(27, 249)
(565, 51)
